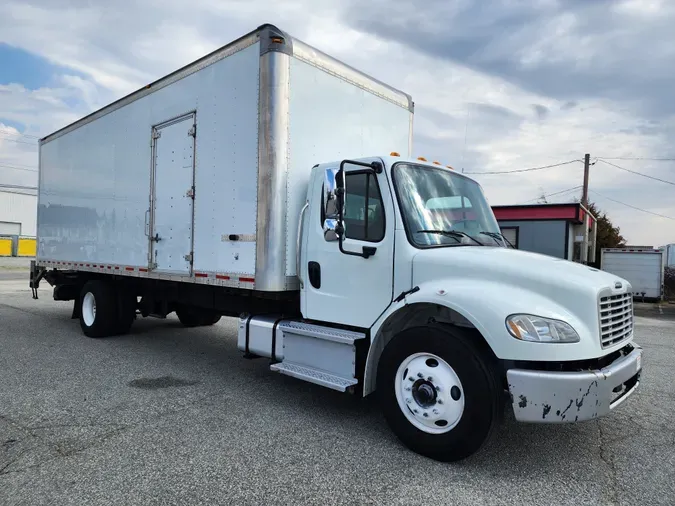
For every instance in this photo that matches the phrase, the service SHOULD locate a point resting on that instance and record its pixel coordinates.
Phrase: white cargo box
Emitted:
(201, 175)
(642, 267)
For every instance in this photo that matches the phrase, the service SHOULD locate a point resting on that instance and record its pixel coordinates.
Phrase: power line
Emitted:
(7, 132)
(554, 193)
(637, 158)
(18, 187)
(2, 190)
(13, 167)
(18, 141)
(635, 172)
(633, 207)
(526, 170)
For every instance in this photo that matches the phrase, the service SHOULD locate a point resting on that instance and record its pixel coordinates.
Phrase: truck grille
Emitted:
(616, 318)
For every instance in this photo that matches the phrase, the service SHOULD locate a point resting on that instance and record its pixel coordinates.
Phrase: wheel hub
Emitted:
(429, 393)
(424, 393)
(89, 309)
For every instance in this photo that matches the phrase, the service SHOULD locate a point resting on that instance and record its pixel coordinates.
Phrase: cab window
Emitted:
(364, 211)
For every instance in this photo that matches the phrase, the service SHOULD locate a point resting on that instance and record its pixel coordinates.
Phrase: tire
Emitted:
(126, 306)
(98, 309)
(195, 317)
(461, 413)
(212, 320)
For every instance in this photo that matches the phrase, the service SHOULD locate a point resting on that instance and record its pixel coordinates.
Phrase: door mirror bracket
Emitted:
(335, 189)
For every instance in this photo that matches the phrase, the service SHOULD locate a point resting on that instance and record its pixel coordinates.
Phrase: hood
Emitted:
(540, 273)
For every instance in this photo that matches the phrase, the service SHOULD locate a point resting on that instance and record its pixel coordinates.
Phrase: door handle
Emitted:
(156, 238)
(314, 274)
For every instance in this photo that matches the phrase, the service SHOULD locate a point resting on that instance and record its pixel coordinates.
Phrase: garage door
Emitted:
(10, 228)
(642, 269)
(511, 234)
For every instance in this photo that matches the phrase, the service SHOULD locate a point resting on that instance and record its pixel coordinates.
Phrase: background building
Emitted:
(18, 213)
(18, 220)
(551, 229)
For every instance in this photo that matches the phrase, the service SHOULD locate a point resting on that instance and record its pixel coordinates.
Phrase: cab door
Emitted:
(351, 284)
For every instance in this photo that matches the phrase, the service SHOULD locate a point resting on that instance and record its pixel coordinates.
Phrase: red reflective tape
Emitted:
(117, 268)
(88, 265)
(222, 276)
(247, 280)
(109, 267)
(142, 269)
(128, 268)
(201, 275)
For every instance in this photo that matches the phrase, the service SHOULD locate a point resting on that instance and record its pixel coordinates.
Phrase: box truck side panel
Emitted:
(95, 177)
(227, 168)
(642, 269)
(332, 119)
(93, 191)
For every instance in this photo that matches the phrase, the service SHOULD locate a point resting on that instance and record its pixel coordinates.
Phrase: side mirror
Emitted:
(333, 198)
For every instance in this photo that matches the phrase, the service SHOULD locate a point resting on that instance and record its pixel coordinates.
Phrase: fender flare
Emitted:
(430, 295)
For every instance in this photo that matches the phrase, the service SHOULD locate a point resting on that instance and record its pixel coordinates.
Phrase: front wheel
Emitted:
(438, 391)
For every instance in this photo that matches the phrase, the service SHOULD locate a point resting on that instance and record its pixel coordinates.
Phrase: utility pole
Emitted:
(584, 202)
(584, 194)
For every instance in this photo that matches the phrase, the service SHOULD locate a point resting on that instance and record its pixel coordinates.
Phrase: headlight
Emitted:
(540, 330)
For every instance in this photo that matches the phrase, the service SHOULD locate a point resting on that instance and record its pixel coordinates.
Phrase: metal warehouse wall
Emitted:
(546, 237)
(19, 208)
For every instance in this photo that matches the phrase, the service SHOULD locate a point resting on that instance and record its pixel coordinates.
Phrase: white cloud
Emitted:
(465, 116)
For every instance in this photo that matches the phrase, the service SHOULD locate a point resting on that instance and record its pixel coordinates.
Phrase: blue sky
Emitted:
(498, 84)
(21, 66)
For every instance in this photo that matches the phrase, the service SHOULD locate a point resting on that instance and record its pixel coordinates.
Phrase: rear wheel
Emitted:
(98, 309)
(126, 307)
(196, 317)
(438, 392)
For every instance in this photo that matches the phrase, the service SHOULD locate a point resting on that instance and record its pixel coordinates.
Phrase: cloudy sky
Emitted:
(499, 85)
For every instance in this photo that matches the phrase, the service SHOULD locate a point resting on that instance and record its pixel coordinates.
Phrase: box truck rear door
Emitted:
(173, 195)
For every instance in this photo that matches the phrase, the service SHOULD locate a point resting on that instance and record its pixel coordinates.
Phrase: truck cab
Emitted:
(404, 261)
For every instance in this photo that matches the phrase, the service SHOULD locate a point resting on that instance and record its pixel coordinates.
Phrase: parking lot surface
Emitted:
(168, 415)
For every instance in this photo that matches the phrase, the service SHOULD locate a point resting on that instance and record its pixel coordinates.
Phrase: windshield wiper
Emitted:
(455, 234)
(496, 235)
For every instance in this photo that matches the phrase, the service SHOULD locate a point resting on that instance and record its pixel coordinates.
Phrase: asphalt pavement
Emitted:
(169, 415)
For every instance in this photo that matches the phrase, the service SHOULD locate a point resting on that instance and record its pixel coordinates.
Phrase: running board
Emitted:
(314, 376)
(340, 336)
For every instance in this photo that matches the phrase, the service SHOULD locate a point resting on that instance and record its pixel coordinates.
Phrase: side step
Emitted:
(324, 356)
(314, 376)
(326, 333)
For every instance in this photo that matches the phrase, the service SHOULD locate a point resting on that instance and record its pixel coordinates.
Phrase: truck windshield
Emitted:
(437, 202)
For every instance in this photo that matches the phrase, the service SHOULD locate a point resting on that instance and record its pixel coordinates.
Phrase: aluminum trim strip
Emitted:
(211, 58)
(343, 71)
(273, 166)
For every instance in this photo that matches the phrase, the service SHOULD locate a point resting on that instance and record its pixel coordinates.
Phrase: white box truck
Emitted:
(252, 184)
(642, 266)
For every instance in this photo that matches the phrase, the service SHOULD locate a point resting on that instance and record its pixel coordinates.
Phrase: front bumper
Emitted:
(563, 397)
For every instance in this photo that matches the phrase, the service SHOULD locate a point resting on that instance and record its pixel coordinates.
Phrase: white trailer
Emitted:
(249, 184)
(642, 266)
